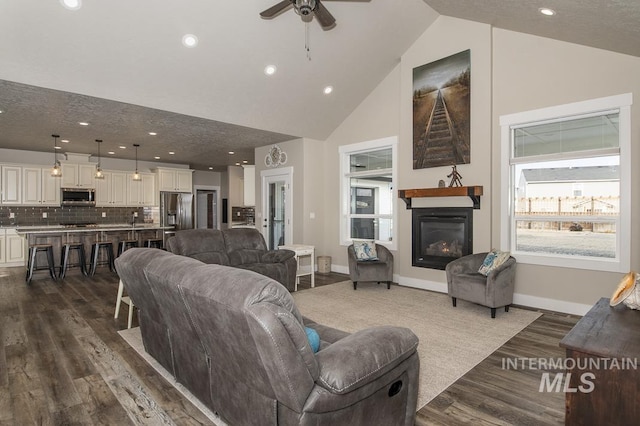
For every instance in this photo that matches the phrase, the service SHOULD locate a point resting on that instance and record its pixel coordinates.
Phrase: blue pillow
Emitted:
(314, 338)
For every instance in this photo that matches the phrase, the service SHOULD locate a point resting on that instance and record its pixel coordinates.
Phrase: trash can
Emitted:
(324, 264)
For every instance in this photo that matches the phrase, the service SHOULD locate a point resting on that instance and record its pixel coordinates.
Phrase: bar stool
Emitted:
(153, 243)
(67, 248)
(123, 245)
(95, 254)
(126, 300)
(32, 263)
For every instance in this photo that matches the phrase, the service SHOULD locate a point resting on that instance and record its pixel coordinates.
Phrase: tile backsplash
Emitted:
(29, 216)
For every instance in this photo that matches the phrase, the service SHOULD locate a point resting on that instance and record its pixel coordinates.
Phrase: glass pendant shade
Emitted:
(99, 173)
(136, 175)
(56, 170)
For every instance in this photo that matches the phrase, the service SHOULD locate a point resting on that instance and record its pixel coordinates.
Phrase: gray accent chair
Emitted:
(243, 248)
(380, 270)
(246, 332)
(466, 283)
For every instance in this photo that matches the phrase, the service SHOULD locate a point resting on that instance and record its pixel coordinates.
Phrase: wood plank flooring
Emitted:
(62, 362)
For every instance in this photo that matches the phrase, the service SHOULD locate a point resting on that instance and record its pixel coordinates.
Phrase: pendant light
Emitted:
(56, 171)
(99, 173)
(136, 175)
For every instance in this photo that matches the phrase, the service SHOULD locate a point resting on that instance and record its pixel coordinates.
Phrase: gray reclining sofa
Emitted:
(237, 341)
(241, 248)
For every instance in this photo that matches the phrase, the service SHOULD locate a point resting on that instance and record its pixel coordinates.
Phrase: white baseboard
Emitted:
(518, 299)
(551, 304)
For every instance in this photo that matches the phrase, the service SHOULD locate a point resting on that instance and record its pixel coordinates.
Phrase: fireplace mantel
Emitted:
(473, 192)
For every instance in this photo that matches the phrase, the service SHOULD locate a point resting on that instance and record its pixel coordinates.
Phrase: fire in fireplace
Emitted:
(440, 235)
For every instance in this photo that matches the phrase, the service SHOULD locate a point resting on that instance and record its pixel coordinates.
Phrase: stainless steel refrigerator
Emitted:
(176, 210)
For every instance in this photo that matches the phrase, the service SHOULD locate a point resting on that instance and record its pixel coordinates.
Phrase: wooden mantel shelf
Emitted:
(473, 192)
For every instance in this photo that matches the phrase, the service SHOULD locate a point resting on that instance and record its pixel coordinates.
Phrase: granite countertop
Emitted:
(45, 229)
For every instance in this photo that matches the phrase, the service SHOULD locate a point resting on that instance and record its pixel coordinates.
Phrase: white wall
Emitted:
(510, 72)
(533, 72)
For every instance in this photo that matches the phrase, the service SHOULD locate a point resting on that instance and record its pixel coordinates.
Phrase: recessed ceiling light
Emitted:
(546, 11)
(231, 152)
(190, 40)
(270, 69)
(237, 164)
(171, 153)
(327, 90)
(122, 147)
(71, 4)
(152, 133)
(64, 140)
(57, 147)
(210, 168)
(245, 161)
(157, 158)
(111, 153)
(83, 123)
(1, 111)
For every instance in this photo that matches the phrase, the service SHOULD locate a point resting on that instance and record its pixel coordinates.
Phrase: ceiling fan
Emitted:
(307, 9)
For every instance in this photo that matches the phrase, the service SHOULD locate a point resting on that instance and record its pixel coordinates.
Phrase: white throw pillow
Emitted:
(365, 250)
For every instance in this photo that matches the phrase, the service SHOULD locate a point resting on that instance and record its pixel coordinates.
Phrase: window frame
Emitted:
(621, 104)
(345, 151)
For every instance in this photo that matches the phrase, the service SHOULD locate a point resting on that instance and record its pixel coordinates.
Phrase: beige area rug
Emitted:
(452, 340)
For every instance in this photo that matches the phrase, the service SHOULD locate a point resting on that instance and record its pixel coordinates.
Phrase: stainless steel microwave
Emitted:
(78, 197)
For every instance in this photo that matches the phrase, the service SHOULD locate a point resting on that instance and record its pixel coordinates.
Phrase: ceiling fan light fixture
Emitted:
(305, 7)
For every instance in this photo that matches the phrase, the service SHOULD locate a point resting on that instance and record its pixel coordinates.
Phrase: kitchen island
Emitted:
(58, 235)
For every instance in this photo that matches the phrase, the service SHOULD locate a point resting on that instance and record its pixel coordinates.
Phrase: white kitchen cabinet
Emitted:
(249, 186)
(11, 181)
(174, 180)
(12, 248)
(112, 190)
(39, 188)
(142, 192)
(76, 175)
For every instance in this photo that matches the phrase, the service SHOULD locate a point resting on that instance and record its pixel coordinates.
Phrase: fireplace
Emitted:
(440, 235)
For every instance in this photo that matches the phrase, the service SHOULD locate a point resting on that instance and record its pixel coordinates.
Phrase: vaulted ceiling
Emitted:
(121, 66)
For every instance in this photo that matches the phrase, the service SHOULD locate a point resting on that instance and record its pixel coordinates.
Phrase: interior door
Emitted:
(277, 201)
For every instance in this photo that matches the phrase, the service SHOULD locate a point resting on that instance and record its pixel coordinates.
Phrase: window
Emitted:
(568, 199)
(368, 175)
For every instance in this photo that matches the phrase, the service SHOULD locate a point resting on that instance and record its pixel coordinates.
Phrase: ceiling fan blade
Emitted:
(325, 19)
(276, 10)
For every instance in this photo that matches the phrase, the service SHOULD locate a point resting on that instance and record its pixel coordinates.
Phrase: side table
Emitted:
(300, 251)
(605, 345)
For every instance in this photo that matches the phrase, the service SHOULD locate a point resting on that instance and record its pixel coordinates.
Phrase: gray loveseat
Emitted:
(241, 248)
(237, 341)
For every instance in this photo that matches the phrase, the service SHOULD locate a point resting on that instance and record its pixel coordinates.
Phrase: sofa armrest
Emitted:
(363, 357)
(277, 256)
